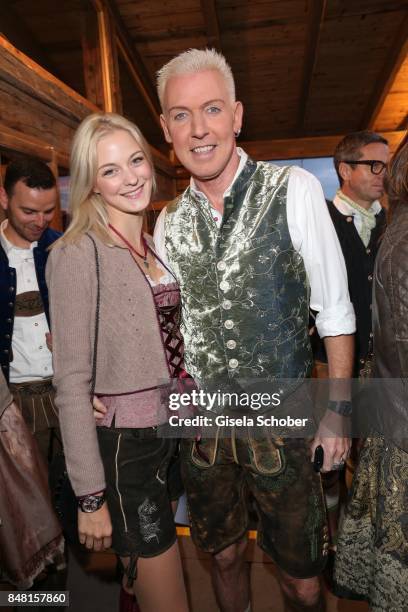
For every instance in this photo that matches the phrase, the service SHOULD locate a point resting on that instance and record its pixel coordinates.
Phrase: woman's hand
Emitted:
(99, 409)
(48, 341)
(95, 528)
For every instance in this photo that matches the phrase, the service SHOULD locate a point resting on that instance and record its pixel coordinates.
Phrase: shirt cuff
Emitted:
(336, 321)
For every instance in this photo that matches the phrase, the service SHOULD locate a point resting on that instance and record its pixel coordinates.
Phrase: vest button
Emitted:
(370, 277)
(229, 324)
(231, 344)
(224, 285)
(233, 363)
(368, 251)
(221, 265)
(11, 304)
(8, 320)
(11, 289)
(226, 305)
(7, 336)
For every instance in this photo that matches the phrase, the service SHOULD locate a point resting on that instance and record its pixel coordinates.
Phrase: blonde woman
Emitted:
(114, 310)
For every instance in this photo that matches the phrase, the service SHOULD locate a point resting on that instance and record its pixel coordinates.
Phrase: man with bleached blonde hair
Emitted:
(252, 246)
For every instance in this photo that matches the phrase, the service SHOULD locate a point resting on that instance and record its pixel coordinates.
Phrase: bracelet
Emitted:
(91, 503)
(342, 407)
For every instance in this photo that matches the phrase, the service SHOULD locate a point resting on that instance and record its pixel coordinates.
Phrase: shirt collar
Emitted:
(9, 246)
(243, 157)
(346, 209)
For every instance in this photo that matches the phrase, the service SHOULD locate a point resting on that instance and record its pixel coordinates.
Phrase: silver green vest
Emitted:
(245, 298)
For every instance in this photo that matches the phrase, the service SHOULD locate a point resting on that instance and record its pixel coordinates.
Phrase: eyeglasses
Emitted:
(376, 166)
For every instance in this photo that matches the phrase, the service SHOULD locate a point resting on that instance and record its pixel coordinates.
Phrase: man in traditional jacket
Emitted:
(252, 246)
(360, 160)
(29, 198)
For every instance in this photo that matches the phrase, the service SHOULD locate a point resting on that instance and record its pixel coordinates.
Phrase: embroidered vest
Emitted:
(245, 298)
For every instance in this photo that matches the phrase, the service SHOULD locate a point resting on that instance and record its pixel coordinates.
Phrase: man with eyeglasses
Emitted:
(360, 160)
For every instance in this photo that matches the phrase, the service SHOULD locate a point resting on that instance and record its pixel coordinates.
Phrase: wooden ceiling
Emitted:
(303, 68)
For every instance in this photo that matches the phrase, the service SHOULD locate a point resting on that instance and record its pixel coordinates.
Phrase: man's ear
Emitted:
(345, 171)
(3, 198)
(165, 129)
(238, 115)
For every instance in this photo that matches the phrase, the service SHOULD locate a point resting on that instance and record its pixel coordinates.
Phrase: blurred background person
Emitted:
(372, 556)
(29, 198)
(30, 536)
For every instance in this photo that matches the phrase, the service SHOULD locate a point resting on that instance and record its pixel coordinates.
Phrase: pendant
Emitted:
(145, 263)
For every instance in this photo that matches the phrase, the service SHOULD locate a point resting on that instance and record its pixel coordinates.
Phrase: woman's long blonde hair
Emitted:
(87, 208)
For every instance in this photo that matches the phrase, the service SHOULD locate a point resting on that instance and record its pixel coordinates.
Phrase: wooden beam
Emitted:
(316, 13)
(293, 148)
(26, 75)
(109, 63)
(155, 112)
(138, 71)
(383, 84)
(13, 140)
(209, 11)
(91, 54)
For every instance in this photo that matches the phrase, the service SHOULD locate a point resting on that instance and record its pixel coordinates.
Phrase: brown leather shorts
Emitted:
(221, 475)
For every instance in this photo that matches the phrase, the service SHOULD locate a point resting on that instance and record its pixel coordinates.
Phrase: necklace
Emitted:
(144, 243)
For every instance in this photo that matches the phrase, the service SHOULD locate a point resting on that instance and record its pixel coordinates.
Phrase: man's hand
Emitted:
(99, 409)
(333, 436)
(95, 528)
(334, 429)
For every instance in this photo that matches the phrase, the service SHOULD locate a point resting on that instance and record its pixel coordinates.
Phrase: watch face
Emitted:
(91, 503)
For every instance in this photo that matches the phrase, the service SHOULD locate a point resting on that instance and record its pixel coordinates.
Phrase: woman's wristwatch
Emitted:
(92, 502)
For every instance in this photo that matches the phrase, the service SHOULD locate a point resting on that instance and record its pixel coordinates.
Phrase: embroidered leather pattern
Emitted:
(28, 304)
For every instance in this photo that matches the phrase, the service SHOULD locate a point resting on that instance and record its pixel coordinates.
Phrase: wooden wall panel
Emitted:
(37, 111)
(56, 26)
(294, 148)
(21, 112)
(352, 53)
(394, 111)
(151, 21)
(241, 14)
(265, 41)
(338, 9)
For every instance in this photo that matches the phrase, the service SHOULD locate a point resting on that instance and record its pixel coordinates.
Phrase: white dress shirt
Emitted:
(32, 359)
(314, 237)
